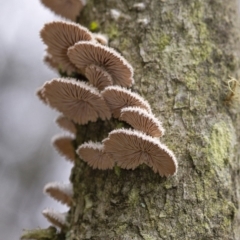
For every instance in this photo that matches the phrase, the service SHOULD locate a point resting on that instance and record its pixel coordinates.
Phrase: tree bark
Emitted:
(183, 53)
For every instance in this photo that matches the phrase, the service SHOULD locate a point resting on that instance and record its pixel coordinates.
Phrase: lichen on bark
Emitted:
(182, 55)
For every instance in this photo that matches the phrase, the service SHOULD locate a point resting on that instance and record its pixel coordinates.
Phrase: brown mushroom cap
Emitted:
(64, 146)
(56, 218)
(59, 36)
(59, 191)
(84, 54)
(93, 154)
(143, 121)
(98, 77)
(130, 148)
(100, 38)
(40, 95)
(76, 100)
(66, 8)
(117, 98)
(66, 124)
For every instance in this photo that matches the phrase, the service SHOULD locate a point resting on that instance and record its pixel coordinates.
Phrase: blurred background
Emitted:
(27, 159)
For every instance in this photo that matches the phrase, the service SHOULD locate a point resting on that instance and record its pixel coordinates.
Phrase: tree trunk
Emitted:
(183, 53)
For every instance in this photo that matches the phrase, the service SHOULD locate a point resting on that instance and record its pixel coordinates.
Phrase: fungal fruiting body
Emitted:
(60, 192)
(130, 148)
(64, 146)
(66, 8)
(56, 218)
(94, 155)
(84, 54)
(59, 36)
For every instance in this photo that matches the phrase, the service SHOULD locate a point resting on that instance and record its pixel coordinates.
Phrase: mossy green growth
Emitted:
(94, 26)
(49, 233)
(133, 197)
(112, 31)
(220, 144)
(163, 41)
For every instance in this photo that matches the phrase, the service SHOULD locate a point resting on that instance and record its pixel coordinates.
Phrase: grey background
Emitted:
(27, 159)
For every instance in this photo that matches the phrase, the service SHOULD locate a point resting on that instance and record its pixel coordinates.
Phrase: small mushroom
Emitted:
(94, 155)
(59, 36)
(66, 8)
(76, 100)
(143, 121)
(84, 54)
(98, 77)
(66, 124)
(64, 146)
(40, 95)
(56, 218)
(100, 38)
(117, 98)
(59, 191)
(48, 59)
(130, 148)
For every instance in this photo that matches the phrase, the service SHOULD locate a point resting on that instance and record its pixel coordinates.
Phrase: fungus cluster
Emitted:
(101, 91)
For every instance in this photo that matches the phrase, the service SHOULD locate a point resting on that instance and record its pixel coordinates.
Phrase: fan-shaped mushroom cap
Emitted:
(48, 59)
(59, 191)
(66, 8)
(59, 36)
(98, 77)
(117, 98)
(76, 100)
(66, 124)
(56, 218)
(93, 154)
(84, 54)
(100, 38)
(143, 121)
(64, 146)
(130, 148)
(40, 95)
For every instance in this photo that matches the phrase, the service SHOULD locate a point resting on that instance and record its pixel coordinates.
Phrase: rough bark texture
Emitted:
(183, 58)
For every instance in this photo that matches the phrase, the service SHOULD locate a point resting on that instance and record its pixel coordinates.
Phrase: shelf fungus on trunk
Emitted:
(117, 98)
(143, 121)
(60, 192)
(130, 148)
(77, 100)
(93, 154)
(64, 146)
(84, 54)
(98, 77)
(66, 124)
(59, 36)
(69, 9)
(56, 218)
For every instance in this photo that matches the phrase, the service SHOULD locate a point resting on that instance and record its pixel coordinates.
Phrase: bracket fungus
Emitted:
(130, 148)
(60, 192)
(117, 98)
(94, 155)
(66, 8)
(64, 146)
(76, 100)
(84, 54)
(143, 121)
(98, 77)
(66, 124)
(59, 36)
(56, 218)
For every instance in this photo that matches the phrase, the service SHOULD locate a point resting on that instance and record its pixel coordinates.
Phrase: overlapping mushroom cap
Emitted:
(56, 218)
(84, 54)
(76, 100)
(59, 36)
(66, 8)
(117, 98)
(64, 146)
(143, 121)
(130, 148)
(94, 155)
(66, 124)
(59, 191)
